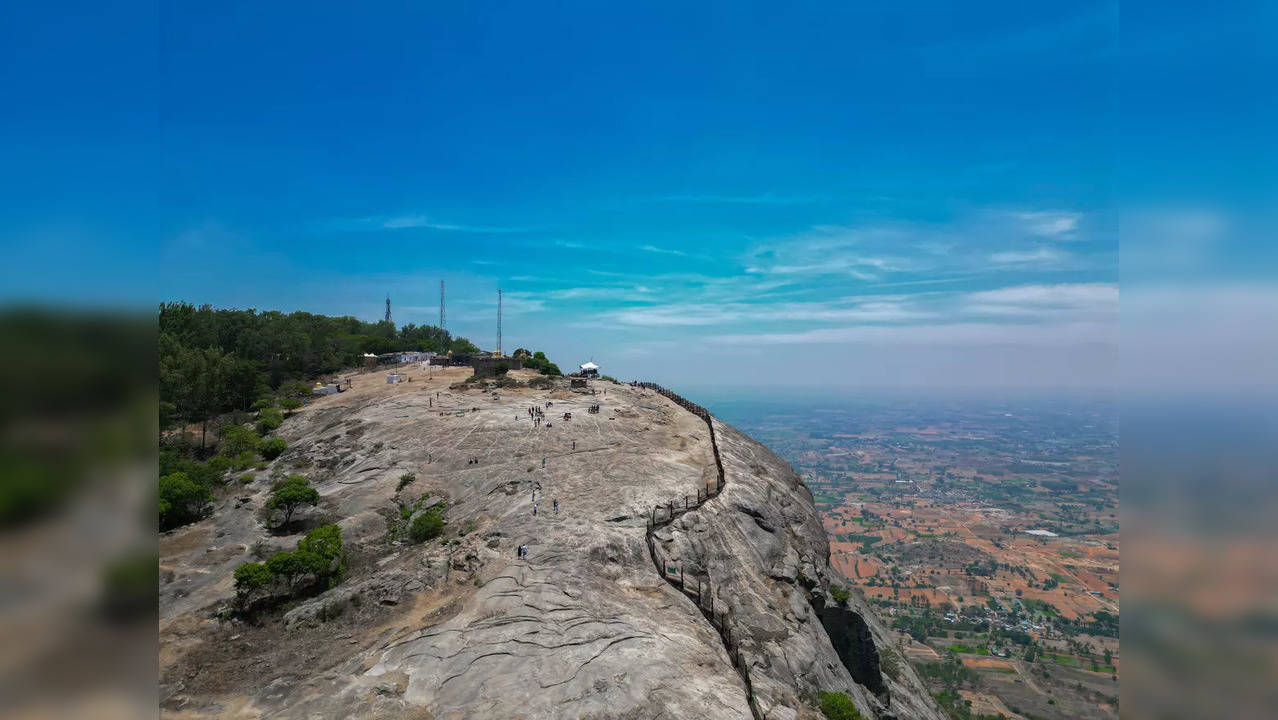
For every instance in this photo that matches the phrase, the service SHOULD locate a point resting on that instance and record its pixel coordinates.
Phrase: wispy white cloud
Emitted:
(661, 251)
(421, 221)
(1037, 256)
(1050, 225)
(831, 250)
(704, 314)
(972, 334)
(1075, 299)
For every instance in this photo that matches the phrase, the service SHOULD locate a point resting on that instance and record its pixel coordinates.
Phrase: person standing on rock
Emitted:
(556, 507)
(534, 509)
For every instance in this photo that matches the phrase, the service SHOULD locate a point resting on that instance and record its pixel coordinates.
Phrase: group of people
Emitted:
(537, 415)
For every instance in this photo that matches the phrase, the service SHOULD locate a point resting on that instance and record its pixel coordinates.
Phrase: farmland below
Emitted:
(985, 529)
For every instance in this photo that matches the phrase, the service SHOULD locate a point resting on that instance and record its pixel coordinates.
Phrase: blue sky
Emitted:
(910, 196)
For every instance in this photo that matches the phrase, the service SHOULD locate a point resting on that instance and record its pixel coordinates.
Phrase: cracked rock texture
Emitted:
(761, 548)
(583, 627)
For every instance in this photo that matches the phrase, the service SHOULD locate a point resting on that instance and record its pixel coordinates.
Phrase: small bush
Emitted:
(405, 480)
(840, 594)
(272, 448)
(264, 403)
(237, 439)
(290, 404)
(838, 706)
(246, 478)
(268, 420)
(427, 526)
(219, 465)
(244, 460)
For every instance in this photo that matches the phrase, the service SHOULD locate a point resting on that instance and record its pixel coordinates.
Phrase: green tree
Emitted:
(214, 361)
(291, 494)
(250, 576)
(324, 542)
(288, 566)
(238, 439)
(181, 500)
(462, 346)
(195, 382)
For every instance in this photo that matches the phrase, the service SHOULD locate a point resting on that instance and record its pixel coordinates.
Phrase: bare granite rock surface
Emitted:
(584, 626)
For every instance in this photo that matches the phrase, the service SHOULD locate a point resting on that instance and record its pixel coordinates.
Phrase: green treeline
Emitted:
(216, 361)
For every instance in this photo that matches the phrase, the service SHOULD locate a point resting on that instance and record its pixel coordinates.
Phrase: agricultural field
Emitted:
(985, 530)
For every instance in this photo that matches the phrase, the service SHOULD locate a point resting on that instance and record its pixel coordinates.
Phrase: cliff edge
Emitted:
(673, 568)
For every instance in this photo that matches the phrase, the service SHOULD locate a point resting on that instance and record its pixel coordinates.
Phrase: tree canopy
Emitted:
(291, 494)
(182, 500)
(214, 361)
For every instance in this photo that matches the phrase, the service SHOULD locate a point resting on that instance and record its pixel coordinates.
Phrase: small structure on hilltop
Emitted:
(414, 356)
(492, 364)
(332, 387)
(589, 369)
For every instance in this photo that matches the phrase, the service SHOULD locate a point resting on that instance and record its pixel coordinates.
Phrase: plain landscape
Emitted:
(982, 526)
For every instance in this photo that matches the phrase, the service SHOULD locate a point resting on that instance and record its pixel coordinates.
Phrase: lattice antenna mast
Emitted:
(441, 305)
(388, 308)
(498, 322)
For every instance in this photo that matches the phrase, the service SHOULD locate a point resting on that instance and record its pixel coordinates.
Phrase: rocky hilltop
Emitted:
(684, 574)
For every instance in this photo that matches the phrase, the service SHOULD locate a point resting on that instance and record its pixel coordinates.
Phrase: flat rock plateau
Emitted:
(584, 626)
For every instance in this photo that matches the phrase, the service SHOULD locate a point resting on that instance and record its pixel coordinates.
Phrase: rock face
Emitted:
(593, 623)
(760, 549)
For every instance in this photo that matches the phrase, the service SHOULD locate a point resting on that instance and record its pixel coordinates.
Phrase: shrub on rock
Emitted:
(838, 706)
(291, 494)
(268, 420)
(251, 576)
(272, 448)
(427, 526)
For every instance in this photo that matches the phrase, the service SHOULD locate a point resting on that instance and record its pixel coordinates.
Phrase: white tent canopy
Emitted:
(589, 366)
